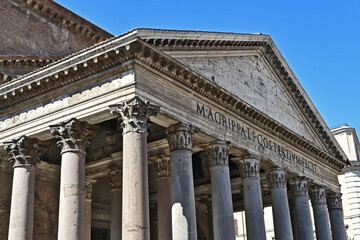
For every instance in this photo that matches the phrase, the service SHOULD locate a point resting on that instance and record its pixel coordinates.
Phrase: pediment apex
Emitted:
(174, 40)
(132, 44)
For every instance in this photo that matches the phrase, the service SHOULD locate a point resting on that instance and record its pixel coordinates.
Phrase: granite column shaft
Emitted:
(318, 201)
(299, 187)
(222, 207)
(180, 138)
(254, 215)
(73, 138)
(280, 205)
(162, 165)
(334, 203)
(24, 153)
(134, 115)
(115, 179)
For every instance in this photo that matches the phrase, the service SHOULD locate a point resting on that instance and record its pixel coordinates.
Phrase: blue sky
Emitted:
(318, 39)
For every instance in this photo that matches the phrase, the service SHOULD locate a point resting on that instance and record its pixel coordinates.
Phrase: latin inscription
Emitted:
(249, 134)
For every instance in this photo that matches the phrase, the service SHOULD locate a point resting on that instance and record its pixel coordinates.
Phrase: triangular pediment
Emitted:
(261, 77)
(251, 80)
(243, 72)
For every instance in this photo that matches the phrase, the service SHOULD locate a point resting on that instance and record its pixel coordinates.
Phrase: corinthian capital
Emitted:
(276, 177)
(89, 187)
(334, 201)
(134, 114)
(299, 186)
(317, 196)
(73, 135)
(248, 165)
(162, 165)
(218, 154)
(25, 151)
(115, 178)
(180, 136)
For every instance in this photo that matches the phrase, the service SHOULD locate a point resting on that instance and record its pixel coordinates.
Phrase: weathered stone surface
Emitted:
(25, 32)
(248, 78)
(46, 210)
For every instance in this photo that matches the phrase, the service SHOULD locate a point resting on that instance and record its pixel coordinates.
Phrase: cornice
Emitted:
(274, 58)
(63, 17)
(122, 49)
(23, 61)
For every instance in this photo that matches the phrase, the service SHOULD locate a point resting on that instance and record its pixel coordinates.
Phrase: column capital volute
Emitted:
(299, 186)
(25, 150)
(317, 195)
(73, 135)
(115, 178)
(180, 136)
(249, 165)
(334, 201)
(134, 114)
(89, 187)
(162, 165)
(276, 177)
(218, 153)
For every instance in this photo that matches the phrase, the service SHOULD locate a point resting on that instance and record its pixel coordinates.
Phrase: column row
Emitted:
(177, 218)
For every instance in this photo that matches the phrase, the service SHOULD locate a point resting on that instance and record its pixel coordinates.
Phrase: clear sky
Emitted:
(318, 39)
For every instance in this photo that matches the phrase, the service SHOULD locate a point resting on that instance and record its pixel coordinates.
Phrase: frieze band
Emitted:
(249, 134)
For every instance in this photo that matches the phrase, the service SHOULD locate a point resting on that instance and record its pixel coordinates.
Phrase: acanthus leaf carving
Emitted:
(180, 136)
(25, 150)
(162, 165)
(276, 178)
(299, 186)
(218, 153)
(134, 114)
(73, 134)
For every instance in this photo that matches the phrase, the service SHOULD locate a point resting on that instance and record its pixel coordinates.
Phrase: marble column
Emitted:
(299, 187)
(162, 165)
(24, 153)
(135, 114)
(88, 199)
(222, 206)
(249, 166)
(73, 138)
(183, 215)
(116, 204)
(293, 215)
(334, 203)
(281, 214)
(318, 201)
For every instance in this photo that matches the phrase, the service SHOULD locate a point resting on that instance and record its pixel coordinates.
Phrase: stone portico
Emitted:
(158, 134)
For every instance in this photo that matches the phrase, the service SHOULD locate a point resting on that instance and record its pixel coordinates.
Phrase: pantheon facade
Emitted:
(161, 134)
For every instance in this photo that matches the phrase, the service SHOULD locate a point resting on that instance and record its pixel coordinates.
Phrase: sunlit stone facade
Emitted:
(159, 134)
